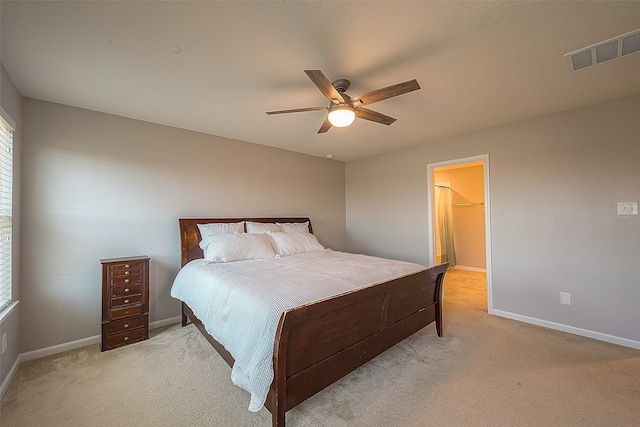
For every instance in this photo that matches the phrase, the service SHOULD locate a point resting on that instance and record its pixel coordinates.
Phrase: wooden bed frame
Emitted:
(317, 344)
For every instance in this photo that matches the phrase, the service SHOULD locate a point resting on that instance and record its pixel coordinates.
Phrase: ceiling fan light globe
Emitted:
(341, 116)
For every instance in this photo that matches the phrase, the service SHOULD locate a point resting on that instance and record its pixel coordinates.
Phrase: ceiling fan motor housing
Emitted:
(341, 85)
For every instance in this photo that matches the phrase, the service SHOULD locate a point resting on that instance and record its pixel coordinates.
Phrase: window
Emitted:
(6, 201)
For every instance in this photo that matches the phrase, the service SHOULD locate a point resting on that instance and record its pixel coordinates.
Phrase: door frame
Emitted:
(484, 159)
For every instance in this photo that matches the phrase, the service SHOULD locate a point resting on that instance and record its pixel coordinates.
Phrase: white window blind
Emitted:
(6, 201)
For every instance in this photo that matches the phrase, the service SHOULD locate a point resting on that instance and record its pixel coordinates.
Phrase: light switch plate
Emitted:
(627, 208)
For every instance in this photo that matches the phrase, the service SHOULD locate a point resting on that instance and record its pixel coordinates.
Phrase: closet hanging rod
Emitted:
(459, 204)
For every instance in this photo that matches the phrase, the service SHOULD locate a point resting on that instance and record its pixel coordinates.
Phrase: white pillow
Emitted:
(294, 227)
(294, 243)
(216, 229)
(262, 227)
(236, 247)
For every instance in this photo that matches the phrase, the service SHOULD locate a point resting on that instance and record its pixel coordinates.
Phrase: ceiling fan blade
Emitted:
(326, 125)
(324, 85)
(385, 93)
(374, 116)
(297, 110)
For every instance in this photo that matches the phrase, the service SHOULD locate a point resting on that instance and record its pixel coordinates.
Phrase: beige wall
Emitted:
(467, 184)
(554, 184)
(98, 186)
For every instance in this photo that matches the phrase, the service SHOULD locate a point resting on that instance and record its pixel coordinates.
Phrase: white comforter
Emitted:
(240, 303)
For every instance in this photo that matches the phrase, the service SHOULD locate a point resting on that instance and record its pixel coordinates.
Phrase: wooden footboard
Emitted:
(319, 343)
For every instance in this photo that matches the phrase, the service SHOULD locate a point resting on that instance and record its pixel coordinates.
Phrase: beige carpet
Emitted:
(485, 371)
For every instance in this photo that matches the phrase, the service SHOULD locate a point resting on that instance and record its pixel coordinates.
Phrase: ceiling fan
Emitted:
(343, 109)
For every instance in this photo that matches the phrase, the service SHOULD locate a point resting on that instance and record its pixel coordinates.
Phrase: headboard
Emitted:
(190, 235)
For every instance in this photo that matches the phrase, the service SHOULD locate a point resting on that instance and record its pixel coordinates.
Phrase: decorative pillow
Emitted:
(294, 227)
(294, 243)
(217, 229)
(262, 227)
(236, 247)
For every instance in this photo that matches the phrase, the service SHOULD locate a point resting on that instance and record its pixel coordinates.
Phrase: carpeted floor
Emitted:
(485, 371)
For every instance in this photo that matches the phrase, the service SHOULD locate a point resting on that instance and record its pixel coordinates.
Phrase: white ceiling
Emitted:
(216, 67)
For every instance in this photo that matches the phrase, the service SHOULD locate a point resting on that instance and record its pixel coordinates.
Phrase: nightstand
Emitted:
(125, 301)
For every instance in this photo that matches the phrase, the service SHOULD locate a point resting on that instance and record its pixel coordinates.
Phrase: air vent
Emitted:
(605, 51)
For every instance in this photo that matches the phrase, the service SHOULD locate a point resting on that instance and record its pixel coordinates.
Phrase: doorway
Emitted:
(459, 214)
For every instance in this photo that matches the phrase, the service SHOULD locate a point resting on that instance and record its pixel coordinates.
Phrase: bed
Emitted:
(317, 343)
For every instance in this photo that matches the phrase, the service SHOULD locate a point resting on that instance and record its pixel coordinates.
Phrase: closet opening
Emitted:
(459, 227)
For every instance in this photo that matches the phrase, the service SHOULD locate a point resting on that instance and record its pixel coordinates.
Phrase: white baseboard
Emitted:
(570, 329)
(7, 380)
(59, 348)
(166, 322)
(462, 267)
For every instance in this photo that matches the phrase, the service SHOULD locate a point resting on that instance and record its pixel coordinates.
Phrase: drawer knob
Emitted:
(126, 301)
(126, 266)
(126, 338)
(126, 280)
(126, 290)
(126, 325)
(126, 273)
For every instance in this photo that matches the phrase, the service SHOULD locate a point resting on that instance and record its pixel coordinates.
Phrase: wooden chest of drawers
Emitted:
(125, 301)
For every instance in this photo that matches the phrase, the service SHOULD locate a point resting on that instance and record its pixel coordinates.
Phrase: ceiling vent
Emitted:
(605, 51)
